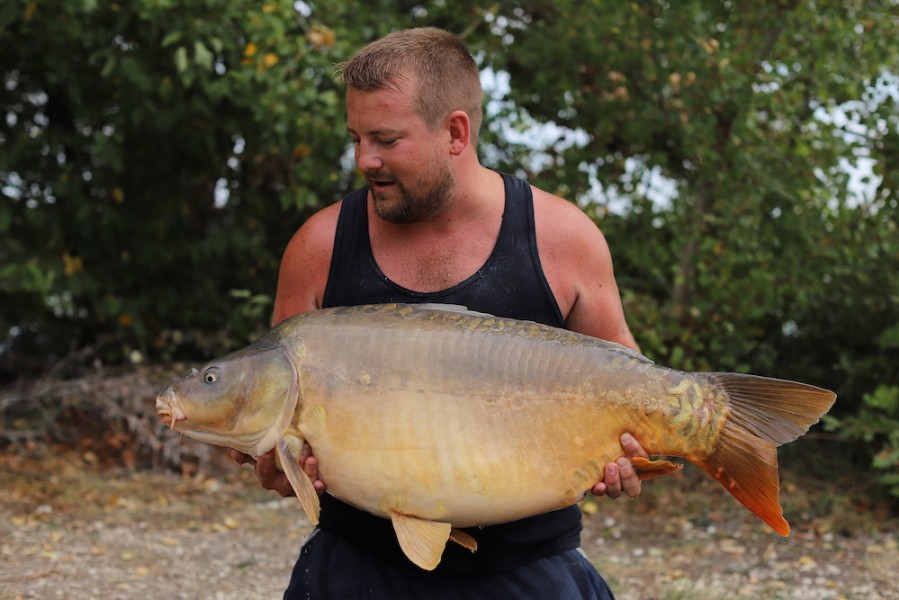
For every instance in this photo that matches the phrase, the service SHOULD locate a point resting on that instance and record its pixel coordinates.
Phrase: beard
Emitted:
(416, 203)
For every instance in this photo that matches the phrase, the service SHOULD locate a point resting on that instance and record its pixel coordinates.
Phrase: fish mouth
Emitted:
(167, 408)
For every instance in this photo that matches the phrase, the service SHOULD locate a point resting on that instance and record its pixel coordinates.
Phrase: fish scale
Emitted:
(439, 418)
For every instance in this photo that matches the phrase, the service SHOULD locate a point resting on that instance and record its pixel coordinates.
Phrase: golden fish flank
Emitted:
(479, 420)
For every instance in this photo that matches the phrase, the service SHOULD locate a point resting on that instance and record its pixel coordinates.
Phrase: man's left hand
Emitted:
(619, 476)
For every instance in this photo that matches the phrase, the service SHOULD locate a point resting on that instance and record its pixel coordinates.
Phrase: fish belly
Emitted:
(460, 426)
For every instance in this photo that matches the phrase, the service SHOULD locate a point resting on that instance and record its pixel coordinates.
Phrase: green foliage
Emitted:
(734, 105)
(155, 155)
(877, 425)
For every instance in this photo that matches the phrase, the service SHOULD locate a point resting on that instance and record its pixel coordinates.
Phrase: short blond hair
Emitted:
(448, 77)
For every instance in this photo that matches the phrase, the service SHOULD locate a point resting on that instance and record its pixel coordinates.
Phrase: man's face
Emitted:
(406, 163)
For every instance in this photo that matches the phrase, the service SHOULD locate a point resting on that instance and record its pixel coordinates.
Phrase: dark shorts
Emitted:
(330, 567)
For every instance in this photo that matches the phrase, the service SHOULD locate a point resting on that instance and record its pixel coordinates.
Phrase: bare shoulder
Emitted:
(560, 221)
(547, 204)
(305, 264)
(578, 266)
(566, 237)
(317, 233)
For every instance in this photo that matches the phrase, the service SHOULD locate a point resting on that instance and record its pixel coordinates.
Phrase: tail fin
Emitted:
(765, 413)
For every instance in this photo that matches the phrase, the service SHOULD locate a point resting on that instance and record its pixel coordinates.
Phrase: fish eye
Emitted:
(210, 376)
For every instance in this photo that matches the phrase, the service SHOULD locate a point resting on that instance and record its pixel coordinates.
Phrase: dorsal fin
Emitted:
(457, 308)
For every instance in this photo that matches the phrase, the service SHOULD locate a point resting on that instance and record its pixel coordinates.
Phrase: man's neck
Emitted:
(442, 251)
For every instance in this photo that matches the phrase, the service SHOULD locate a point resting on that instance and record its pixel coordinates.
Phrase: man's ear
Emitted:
(459, 126)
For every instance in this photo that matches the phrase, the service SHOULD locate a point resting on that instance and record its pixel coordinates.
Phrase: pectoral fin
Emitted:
(422, 541)
(289, 455)
(648, 469)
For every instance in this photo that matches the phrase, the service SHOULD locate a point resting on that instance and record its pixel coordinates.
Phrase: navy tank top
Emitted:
(510, 284)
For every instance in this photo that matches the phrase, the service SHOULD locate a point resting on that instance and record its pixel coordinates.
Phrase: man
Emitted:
(433, 225)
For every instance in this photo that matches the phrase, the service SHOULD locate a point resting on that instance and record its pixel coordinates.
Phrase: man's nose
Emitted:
(367, 157)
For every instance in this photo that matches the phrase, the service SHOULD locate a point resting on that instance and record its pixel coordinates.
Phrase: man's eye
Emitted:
(387, 142)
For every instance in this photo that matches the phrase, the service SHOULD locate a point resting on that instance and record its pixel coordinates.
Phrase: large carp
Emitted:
(437, 418)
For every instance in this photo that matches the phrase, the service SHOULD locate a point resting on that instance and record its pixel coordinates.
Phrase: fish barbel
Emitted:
(437, 417)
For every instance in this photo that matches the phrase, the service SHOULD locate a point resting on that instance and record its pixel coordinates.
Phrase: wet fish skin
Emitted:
(438, 418)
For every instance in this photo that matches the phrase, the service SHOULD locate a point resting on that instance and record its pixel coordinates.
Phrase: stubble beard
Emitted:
(425, 201)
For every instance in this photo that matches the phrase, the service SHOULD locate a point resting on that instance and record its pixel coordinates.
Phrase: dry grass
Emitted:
(73, 528)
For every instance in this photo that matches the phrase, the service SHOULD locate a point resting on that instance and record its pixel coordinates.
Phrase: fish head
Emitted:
(244, 400)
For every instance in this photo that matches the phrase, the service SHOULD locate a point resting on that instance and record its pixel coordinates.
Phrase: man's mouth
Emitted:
(378, 180)
(381, 184)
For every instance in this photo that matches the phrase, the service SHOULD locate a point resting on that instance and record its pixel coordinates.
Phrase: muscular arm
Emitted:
(304, 266)
(578, 265)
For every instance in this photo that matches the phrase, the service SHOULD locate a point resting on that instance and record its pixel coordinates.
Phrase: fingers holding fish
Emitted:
(309, 464)
(620, 477)
(630, 483)
(612, 480)
(270, 477)
(632, 447)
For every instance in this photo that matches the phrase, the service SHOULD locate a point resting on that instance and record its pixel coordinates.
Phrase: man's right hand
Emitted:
(271, 478)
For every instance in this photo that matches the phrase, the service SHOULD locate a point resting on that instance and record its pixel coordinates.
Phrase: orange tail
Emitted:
(765, 413)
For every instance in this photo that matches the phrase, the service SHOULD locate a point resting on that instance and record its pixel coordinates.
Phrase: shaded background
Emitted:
(741, 159)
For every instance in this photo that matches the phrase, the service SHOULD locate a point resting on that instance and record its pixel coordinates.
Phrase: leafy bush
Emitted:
(877, 425)
(156, 155)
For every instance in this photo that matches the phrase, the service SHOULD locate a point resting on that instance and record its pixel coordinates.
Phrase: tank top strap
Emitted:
(519, 209)
(515, 262)
(352, 249)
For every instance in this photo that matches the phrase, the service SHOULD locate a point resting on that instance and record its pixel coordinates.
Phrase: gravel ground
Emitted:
(71, 529)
